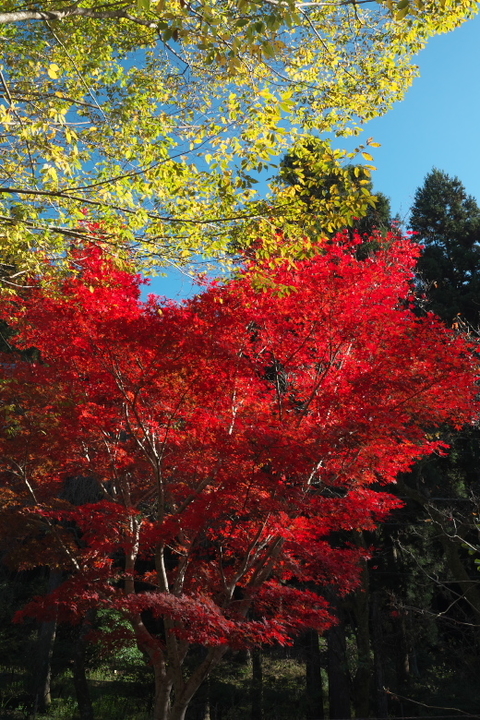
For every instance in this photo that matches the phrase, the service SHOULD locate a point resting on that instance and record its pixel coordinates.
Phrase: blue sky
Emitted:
(438, 122)
(436, 125)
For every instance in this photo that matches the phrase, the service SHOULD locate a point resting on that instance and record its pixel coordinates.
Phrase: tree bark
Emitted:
(379, 660)
(199, 709)
(18, 16)
(42, 697)
(402, 653)
(313, 677)
(173, 693)
(42, 671)
(339, 685)
(364, 670)
(80, 682)
(256, 689)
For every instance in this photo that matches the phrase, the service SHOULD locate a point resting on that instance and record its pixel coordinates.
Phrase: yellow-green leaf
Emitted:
(53, 71)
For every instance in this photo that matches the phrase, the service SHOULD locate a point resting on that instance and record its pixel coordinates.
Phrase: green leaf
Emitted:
(268, 49)
(401, 14)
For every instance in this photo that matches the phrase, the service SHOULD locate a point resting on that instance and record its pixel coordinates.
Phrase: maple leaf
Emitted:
(224, 440)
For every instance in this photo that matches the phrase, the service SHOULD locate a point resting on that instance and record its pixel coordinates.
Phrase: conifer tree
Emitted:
(447, 221)
(427, 585)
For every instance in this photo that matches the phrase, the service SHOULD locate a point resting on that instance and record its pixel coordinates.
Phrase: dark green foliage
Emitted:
(305, 169)
(6, 335)
(17, 640)
(378, 218)
(7, 344)
(426, 588)
(447, 222)
(434, 582)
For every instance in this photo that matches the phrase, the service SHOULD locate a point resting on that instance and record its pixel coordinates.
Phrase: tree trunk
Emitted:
(178, 712)
(42, 671)
(80, 682)
(313, 677)
(403, 646)
(379, 659)
(199, 708)
(338, 674)
(363, 673)
(163, 689)
(173, 694)
(256, 689)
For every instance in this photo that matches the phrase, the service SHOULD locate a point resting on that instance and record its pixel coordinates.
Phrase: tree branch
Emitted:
(71, 12)
(123, 14)
(131, 211)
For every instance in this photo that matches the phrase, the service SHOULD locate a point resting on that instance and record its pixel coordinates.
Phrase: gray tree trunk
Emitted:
(42, 670)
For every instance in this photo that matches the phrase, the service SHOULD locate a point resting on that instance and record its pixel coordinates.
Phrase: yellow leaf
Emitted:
(53, 71)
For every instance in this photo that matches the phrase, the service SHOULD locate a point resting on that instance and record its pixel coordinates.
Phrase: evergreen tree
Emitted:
(447, 223)
(426, 587)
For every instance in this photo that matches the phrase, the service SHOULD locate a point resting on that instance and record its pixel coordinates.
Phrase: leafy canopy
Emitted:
(154, 117)
(228, 438)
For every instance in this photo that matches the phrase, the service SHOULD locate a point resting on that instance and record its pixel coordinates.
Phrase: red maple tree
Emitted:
(227, 438)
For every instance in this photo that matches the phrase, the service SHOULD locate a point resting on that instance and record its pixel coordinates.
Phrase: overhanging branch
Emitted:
(131, 211)
(71, 12)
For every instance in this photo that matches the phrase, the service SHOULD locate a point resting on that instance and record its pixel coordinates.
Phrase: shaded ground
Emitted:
(121, 696)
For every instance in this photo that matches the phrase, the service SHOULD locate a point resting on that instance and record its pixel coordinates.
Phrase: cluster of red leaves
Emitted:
(230, 435)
